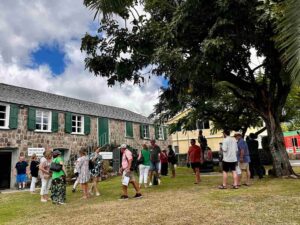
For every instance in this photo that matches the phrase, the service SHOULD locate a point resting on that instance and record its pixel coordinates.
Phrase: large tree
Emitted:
(196, 44)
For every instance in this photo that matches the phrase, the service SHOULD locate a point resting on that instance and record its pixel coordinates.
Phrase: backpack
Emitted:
(91, 164)
(134, 163)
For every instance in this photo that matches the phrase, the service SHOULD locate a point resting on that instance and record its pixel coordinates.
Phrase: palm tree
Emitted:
(288, 38)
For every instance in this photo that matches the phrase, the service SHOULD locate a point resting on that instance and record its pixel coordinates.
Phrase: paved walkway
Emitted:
(295, 162)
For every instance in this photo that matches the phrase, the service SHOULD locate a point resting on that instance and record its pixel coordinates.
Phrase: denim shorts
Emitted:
(154, 166)
(21, 178)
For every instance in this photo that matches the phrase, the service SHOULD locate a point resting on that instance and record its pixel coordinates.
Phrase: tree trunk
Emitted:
(281, 163)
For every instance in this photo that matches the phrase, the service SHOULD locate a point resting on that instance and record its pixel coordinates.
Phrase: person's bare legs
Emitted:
(197, 175)
(235, 178)
(95, 182)
(124, 188)
(136, 186)
(225, 178)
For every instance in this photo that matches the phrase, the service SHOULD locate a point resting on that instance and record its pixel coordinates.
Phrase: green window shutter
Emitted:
(103, 131)
(68, 122)
(142, 131)
(54, 125)
(156, 128)
(129, 129)
(165, 133)
(87, 125)
(31, 119)
(13, 116)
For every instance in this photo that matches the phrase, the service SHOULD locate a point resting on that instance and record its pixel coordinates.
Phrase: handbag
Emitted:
(56, 167)
(141, 160)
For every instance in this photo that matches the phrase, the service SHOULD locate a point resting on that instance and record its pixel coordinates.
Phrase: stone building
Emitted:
(32, 120)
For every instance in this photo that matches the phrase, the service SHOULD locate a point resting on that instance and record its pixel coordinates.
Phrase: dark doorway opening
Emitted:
(5, 170)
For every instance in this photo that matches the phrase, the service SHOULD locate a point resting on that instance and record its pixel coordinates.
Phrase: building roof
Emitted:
(34, 98)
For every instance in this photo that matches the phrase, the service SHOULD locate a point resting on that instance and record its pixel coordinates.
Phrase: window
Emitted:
(144, 129)
(295, 142)
(161, 133)
(202, 124)
(4, 116)
(43, 120)
(77, 124)
(129, 130)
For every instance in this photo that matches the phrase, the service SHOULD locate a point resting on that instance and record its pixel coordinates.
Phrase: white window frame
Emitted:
(76, 127)
(146, 131)
(160, 133)
(6, 119)
(43, 112)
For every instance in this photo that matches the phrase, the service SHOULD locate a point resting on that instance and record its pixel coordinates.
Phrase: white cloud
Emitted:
(26, 24)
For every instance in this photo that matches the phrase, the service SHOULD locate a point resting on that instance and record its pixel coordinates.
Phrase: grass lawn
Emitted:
(176, 201)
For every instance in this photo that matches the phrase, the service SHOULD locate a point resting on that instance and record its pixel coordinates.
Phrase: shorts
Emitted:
(129, 174)
(21, 178)
(195, 165)
(244, 166)
(154, 166)
(229, 166)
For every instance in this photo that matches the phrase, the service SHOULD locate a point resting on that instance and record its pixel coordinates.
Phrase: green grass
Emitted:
(267, 201)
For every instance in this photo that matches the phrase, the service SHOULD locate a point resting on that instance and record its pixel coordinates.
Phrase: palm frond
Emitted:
(288, 38)
(107, 7)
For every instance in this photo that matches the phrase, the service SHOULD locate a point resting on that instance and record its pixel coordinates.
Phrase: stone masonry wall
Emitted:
(22, 139)
(117, 135)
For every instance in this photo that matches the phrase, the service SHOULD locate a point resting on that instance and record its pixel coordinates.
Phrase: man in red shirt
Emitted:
(195, 158)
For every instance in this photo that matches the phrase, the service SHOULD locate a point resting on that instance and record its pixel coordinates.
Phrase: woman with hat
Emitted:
(58, 187)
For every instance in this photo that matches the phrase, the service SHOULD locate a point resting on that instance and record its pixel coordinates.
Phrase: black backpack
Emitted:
(91, 164)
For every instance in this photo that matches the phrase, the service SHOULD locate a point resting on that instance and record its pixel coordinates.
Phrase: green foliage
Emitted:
(200, 46)
(288, 36)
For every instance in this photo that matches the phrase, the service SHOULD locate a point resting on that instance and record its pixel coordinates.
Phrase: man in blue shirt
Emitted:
(243, 159)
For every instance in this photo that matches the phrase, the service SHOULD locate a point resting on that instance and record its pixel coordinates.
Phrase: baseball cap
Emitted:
(123, 145)
(56, 152)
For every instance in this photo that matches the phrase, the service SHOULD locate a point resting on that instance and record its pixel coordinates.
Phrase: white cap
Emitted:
(123, 146)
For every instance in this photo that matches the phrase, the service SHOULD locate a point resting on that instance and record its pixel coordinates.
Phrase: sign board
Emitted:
(38, 151)
(106, 155)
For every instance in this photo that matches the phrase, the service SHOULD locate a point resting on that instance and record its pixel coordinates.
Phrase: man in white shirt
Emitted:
(229, 149)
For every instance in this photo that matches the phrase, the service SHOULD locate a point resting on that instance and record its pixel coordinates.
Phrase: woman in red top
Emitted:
(164, 163)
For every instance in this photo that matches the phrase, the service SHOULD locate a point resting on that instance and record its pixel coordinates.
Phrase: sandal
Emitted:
(235, 187)
(222, 187)
(246, 185)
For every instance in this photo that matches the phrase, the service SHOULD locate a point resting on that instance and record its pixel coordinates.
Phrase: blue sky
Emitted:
(41, 50)
(52, 55)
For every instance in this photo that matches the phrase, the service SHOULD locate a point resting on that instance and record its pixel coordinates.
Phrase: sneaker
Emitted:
(97, 194)
(73, 190)
(124, 197)
(138, 195)
(43, 200)
(150, 184)
(61, 203)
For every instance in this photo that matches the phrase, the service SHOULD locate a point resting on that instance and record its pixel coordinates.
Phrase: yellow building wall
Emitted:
(182, 138)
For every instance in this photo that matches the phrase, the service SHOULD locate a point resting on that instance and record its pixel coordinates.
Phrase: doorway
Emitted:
(5, 168)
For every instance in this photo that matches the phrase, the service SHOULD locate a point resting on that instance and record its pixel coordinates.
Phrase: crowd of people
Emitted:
(152, 164)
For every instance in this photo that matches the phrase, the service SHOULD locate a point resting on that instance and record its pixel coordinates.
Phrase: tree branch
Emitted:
(256, 68)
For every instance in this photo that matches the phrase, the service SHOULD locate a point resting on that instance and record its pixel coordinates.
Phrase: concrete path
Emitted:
(295, 162)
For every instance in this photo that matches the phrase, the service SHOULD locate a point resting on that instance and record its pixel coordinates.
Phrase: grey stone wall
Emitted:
(117, 135)
(22, 139)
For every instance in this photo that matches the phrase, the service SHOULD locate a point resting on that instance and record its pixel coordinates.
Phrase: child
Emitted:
(34, 170)
(21, 171)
